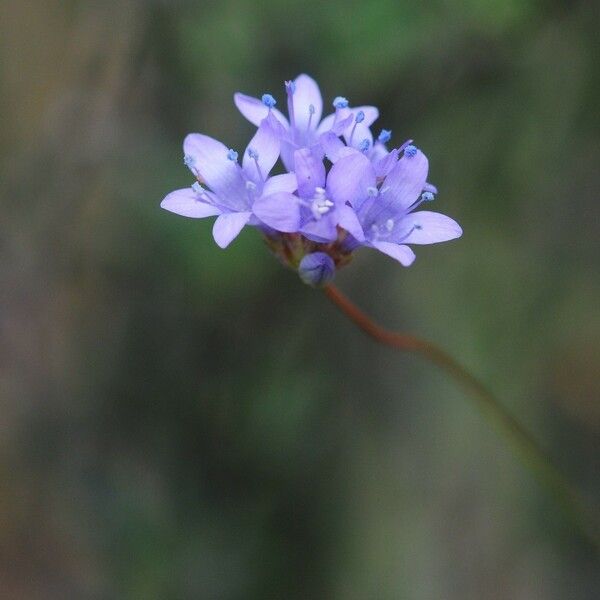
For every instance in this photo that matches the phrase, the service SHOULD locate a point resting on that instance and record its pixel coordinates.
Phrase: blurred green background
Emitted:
(180, 422)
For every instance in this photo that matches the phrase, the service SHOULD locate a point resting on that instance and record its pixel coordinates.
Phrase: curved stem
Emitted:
(521, 441)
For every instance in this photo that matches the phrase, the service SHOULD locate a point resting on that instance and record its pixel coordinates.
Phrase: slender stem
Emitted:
(521, 441)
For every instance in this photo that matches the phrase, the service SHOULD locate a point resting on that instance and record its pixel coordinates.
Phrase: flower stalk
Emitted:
(520, 440)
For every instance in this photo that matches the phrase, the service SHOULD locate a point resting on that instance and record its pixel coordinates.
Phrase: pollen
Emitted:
(268, 100)
(410, 151)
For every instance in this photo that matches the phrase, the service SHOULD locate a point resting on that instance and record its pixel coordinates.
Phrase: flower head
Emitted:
(343, 188)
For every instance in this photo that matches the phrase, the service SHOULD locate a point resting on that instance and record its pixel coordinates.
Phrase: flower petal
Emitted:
(321, 230)
(406, 180)
(342, 123)
(385, 164)
(187, 203)
(266, 145)
(310, 172)
(280, 183)
(222, 175)
(403, 254)
(432, 228)
(228, 226)
(349, 179)
(349, 221)
(356, 136)
(306, 93)
(254, 110)
(371, 114)
(281, 211)
(333, 147)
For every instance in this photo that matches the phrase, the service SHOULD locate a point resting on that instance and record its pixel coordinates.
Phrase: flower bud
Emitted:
(316, 269)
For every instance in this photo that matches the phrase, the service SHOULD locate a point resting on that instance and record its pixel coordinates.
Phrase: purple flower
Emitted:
(385, 206)
(321, 204)
(305, 107)
(232, 189)
(344, 188)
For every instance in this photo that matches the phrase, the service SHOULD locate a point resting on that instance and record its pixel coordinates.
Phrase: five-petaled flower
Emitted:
(342, 190)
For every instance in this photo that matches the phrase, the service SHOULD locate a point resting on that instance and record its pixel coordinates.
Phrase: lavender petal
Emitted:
(307, 94)
(281, 211)
(430, 228)
(280, 183)
(211, 161)
(255, 111)
(186, 203)
(350, 178)
(310, 172)
(228, 226)
(403, 254)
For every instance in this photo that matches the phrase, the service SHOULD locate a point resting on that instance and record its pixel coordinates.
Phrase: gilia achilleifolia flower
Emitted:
(342, 189)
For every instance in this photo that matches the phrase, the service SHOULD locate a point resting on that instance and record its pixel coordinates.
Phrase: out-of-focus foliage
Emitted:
(181, 422)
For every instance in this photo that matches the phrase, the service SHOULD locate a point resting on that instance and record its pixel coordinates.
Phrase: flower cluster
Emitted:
(343, 188)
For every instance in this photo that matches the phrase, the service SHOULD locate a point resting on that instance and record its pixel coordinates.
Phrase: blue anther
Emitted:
(197, 188)
(410, 151)
(385, 136)
(311, 109)
(290, 86)
(360, 116)
(252, 153)
(418, 227)
(268, 100)
(427, 197)
(364, 145)
(340, 102)
(189, 161)
(232, 154)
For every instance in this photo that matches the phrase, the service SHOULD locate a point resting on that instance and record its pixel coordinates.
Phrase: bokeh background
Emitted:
(180, 422)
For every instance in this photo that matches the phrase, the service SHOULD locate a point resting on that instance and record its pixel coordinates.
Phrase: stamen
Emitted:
(253, 154)
(232, 155)
(320, 205)
(250, 188)
(268, 100)
(406, 143)
(189, 161)
(410, 151)
(373, 192)
(197, 188)
(340, 102)
(385, 136)
(359, 118)
(311, 112)
(290, 87)
(364, 145)
(425, 197)
(407, 234)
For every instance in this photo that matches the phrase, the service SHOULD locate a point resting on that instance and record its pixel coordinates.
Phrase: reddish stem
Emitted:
(519, 438)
